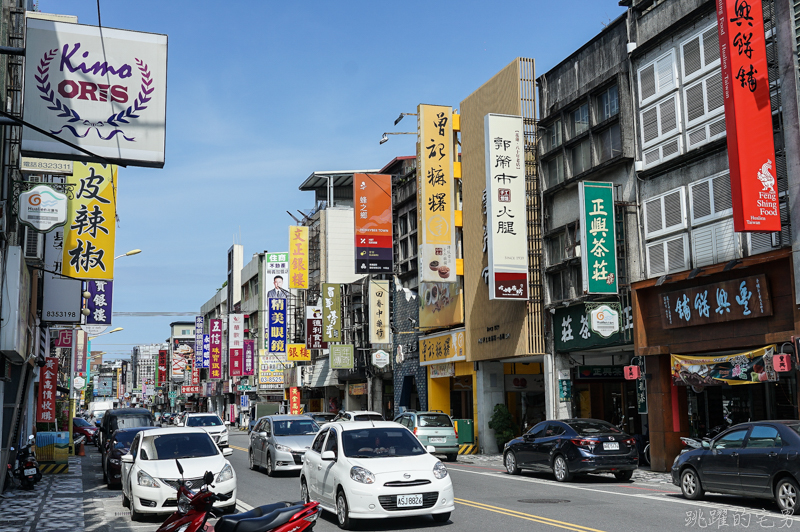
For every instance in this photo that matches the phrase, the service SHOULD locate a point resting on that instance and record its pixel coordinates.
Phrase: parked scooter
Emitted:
(26, 468)
(194, 509)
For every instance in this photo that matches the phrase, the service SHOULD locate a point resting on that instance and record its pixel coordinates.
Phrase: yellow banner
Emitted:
(441, 348)
(297, 353)
(749, 367)
(91, 222)
(298, 257)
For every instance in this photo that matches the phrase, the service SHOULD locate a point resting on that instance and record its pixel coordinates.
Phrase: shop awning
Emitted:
(323, 376)
(749, 367)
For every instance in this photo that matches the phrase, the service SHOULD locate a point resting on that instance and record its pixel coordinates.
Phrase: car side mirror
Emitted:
(227, 451)
(431, 449)
(127, 458)
(705, 444)
(180, 424)
(328, 456)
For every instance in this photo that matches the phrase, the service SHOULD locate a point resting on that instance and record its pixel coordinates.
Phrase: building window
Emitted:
(579, 120)
(403, 249)
(555, 170)
(609, 144)
(557, 248)
(402, 224)
(608, 104)
(581, 157)
(560, 281)
(412, 220)
(554, 135)
(412, 243)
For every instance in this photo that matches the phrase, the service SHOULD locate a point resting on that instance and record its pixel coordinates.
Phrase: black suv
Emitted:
(123, 418)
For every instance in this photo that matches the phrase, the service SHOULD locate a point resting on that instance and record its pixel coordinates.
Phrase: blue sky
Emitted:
(263, 93)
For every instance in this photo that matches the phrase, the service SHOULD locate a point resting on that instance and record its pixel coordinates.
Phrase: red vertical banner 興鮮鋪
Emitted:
(215, 334)
(46, 404)
(748, 115)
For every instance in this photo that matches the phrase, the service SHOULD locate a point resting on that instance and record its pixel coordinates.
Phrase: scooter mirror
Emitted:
(208, 478)
(31, 437)
(180, 468)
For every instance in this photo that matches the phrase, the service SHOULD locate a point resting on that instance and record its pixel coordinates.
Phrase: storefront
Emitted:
(524, 386)
(708, 343)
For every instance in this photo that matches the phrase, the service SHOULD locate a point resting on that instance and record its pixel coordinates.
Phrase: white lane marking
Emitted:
(664, 497)
(243, 505)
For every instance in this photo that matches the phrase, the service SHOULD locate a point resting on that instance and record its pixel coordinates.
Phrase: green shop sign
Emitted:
(573, 331)
(598, 238)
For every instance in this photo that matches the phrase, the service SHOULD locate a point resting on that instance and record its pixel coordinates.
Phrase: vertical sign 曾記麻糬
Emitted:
(46, 403)
(198, 341)
(314, 328)
(276, 325)
(598, 238)
(249, 357)
(91, 223)
(435, 194)
(298, 257)
(99, 302)
(506, 207)
(379, 316)
(372, 195)
(748, 115)
(331, 312)
(215, 345)
(235, 344)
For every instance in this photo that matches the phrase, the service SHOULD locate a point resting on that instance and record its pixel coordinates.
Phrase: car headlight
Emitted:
(114, 461)
(224, 432)
(183, 504)
(284, 448)
(146, 480)
(439, 470)
(359, 474)
(225, 474)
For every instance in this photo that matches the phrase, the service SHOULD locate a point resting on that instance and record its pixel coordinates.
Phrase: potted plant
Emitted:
(502, 424)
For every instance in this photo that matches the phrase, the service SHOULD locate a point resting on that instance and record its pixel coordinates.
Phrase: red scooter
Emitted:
(194, 509)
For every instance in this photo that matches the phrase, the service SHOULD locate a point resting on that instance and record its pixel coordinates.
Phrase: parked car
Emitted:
(573, 446)
(433, 428)
(375, 469)
(755, 459)
(123, 418)
(358, 415)
(119, 444)
(279, 443)
(84, 428)
(150, 475)
(211, 423)
(321, 417)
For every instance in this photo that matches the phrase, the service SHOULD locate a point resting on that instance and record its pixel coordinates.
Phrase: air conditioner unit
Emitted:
(33, 244)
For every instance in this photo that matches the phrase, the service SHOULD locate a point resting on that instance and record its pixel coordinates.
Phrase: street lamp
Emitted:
(385, 137)
(118, 329)
(128, 254)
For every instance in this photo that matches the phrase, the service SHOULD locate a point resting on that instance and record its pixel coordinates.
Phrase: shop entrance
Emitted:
(461, 397)
(610, 400)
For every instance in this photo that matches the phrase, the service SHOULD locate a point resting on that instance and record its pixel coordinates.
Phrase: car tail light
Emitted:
(415, 431)
(455, 429)
(629, 441)
(586, 444)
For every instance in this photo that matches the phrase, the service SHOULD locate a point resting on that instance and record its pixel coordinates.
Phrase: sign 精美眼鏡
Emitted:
(598, 237)
(276, 325)
(42, 208)
(372, 195)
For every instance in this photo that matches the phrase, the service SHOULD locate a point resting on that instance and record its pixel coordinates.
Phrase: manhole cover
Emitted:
(542, 501)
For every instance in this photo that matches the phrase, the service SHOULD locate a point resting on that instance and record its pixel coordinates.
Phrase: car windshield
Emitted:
(593, 428)
(380, 442)
(80, 422)
(123, 440)
(181, 445)
(295, 427)
(203, 421)
(368, 417)
(434, 420)
(323, 417)
(129, 422)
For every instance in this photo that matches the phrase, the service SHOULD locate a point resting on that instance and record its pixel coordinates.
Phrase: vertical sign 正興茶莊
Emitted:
(435, 194)
(298, 257)
(161, 374)
(249, 357)
(598, 238)
(91, 223)
(99, 302)
(748, 115)
(297, 353)
(198, 341)
(215, 343)
(506, 207)
(331, 312)
(236, 344)
(61, 297)
(379, 316)
(314, 328)
(46, 404)
(276, 325)
(276, 276)
(372, 195)
(206, 351)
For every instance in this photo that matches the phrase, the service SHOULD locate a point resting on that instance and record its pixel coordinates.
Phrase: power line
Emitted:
(147, 314)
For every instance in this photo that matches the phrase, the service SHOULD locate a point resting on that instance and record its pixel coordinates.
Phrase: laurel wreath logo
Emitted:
(124, 116)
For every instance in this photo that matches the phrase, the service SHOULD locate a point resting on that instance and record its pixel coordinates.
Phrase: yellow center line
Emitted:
(238, 448)
(527, 517)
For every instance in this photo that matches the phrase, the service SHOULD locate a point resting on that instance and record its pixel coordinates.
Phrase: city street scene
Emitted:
(436, 265)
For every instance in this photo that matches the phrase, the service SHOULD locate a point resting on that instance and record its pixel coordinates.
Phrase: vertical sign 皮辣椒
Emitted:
(46, 404)
(314, 328)
(506, 207)
(249, 357)
(598, 238)
(748, 115)
(331, 312)
(372, 195)
(379, 321)
(276, 325)
(215, 345)
(91, 222)
(435, 194)
(206, 352)
(298, 257)
(198, 341)
(235, 344)
(99, 302)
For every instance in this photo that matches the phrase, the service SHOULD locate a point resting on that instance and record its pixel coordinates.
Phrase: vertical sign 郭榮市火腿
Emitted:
(379, 316)
(748, 115)
(276, 325)
(372, 194)
(46, 403)
(314, 328)
(215, 343)
(598, 238)
(298, 257)
(235, 344)
(99, 302)
(506, 207)
(249, 358)
(91, 223)
(435, 194)
(198, 341)
(331, 312)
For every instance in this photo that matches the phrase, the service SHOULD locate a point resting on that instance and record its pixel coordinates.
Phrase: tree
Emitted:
(502, 424)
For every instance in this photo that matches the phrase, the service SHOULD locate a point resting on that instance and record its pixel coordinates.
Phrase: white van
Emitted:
(97, 409)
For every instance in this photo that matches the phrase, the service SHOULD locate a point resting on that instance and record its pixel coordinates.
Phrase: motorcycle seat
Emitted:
(259, 519)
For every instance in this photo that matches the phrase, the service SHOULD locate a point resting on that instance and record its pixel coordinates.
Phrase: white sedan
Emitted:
(370, 470)
(150, 475)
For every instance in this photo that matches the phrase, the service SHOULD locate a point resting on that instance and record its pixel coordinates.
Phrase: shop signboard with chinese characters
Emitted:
(31, 165)
(198, 341)
(737, 299)
(249, 357)
(186, 390)
(63, 338)
(574, 331)
(161, 374)
(298, 257)
(295, 408)
(215, 349)
(372, 194)
(314, 329)
(79, 352)
(270, 370)
(46, 401)
(276, 275)
(381, 358)
(748, 115)
(750, 367)
(506, 207)
(442, 347)
(438, 371)
(379, 314)
(101, 89)
(641, 389)
(341, 356)
(331, 312)
(61, 298)
(182, 357)
(236, 344)
(598, 237)
(357, 389)
(276, 326)
(297, 353)
(435, 194)
(91, 223)
(206, 351)
(99, 302)
(42, 208)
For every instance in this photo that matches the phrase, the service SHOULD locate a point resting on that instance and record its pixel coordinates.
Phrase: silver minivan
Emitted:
(279, 443)
(433, 428)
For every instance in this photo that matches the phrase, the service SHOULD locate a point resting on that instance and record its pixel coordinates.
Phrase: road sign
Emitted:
(245, 388)
(173, 395)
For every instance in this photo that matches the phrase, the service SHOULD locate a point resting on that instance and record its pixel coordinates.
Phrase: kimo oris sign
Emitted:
(102, 89)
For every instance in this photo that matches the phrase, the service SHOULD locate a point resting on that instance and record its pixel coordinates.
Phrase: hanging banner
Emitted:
(314, 328)
(341, 356)
(506, 207)
(372, 194)
(46, 401)
(379, 315)
(182, 357)
(91, 222)
(277, 275)
(249, 357)
(79, 350)
(61, 298)
(162, 367)
(297, 353)
(598, 238)
(270, 370)
(206, 351)
(198, 341)
(102, 89)
(295, 408)
(215, 343)
(276, 327)
(750, 367)
(99, 302)
(235, 344)
(435, 197)
(186, 390)
(42, 208)
(748, 115)
(195, 372)
(298, 257)
(331, 312)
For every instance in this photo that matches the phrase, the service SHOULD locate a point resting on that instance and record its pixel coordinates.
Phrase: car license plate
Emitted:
(406, 501)
(28, 472)
(611, 446)
(437, 440)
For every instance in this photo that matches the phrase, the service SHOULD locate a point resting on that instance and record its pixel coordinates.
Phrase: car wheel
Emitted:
(452, 457)
(252, 461)
(304, 495)
(624, 475)
(270, 470)
(510, 461)
(786, 495)
(342, 511)
(561, 469)
(135, 516)
(441, 518)
(126, 502)
(691, 487)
